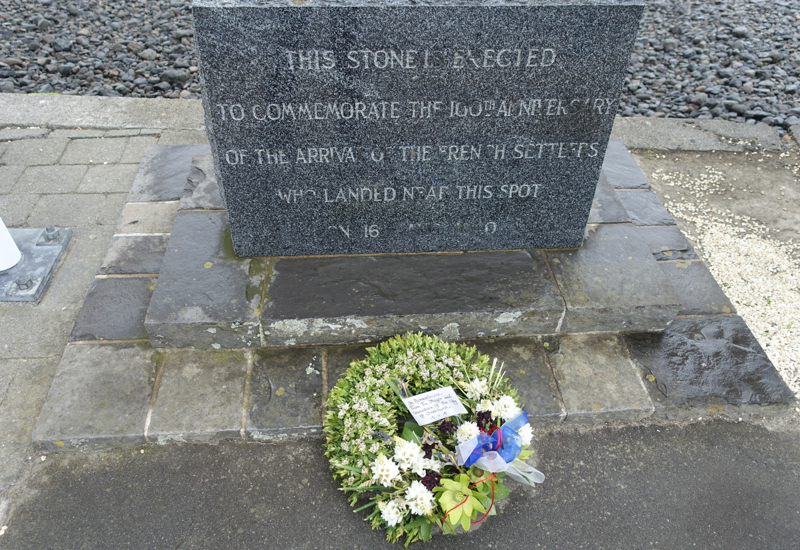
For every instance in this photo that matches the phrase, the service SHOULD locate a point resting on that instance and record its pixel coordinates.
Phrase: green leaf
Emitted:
(412, 431)
(425, 531)
(373, 503)
(395, 388)
(500, 491)
(416, 522)
(362, 489)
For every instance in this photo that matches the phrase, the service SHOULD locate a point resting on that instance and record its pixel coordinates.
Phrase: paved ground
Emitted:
(53, 173)
(712, 484)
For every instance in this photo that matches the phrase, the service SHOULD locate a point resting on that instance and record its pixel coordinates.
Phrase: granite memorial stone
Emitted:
(399, 126)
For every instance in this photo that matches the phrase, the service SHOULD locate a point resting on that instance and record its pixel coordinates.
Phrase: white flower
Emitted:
(406, 453)
(419, 499)
(467, 431)
(392, 511)
(484, 405)
(476, 388)
(505, 408)
(423, 464)
(384, 470)
(526, 433)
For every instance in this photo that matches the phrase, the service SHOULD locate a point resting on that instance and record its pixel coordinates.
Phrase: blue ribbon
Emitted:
(505, 441)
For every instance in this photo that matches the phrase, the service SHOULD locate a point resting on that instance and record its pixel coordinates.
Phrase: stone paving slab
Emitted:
(200, 397)
(114, 309)
(71, 210)
(139, 217)
(526, 367)
(202, 188)
(51, 179)
(113, 178)
(698, 290)
(667, 243)
(94, 151)
(205, 297)
(613, 283)
(76, 133)
(181, 137)
(9, 134)
(334, 300)
(285, 392)
(35, 332)
(707, 365)
(99, 397)
(338, 359)
(134, 254)
(621, 169)
(597, 379)
(9, 176)
(34, 152)
(606, 206)
(162, 172)
(136, 147)
(645, 208)
(15, 209)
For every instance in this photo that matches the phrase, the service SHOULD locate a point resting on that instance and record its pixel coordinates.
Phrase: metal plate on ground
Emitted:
(40, 249)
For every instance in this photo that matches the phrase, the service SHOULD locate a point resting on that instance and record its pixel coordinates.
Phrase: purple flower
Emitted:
(428, 449)
(485, 420)
(431, 479)
(447, 427)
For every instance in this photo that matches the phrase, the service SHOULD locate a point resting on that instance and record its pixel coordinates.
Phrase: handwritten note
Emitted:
(434, 405)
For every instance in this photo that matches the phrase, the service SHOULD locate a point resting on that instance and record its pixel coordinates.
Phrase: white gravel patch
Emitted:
(758, 273)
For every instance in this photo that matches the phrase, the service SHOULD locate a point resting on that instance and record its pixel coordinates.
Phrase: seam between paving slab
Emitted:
(553, 383)
(153, 397)
(246, 398)
(559, 290)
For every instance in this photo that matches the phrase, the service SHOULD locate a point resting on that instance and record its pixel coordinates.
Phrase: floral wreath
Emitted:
(446, 472)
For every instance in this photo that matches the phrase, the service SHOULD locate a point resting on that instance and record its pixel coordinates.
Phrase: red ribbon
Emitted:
(499, 437)
(491, 479)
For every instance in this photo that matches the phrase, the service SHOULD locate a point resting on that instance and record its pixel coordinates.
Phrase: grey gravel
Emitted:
(132, 48)
(724, 59)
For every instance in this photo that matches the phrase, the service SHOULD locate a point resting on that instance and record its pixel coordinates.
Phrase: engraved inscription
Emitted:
(349, 110)
(499, 57)
(447, 153)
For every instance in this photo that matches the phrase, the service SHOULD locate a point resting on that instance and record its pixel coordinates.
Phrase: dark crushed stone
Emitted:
(727, 59)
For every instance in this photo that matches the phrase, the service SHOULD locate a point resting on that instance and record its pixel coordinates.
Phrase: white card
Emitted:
(434, 405)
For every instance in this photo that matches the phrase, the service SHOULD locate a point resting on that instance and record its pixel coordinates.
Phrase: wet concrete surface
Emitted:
(709, 485)
(762, 187)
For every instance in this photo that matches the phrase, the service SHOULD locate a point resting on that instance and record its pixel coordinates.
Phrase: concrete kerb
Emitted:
(99, 113)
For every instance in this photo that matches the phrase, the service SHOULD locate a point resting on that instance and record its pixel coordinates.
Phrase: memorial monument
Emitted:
(398, 126)
(346, 135)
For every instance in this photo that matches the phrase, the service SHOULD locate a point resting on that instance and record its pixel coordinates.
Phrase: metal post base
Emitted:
(40, 249)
